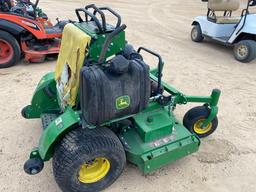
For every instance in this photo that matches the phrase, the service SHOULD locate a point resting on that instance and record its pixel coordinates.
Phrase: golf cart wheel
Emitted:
(9, 50)
(194, 119)
(88, 160)
(245, 51)
(196, 34)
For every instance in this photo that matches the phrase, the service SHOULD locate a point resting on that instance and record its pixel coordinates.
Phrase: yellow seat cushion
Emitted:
(74, 49)
(227, 20)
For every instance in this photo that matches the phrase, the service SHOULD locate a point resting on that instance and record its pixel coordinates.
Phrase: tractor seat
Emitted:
(227, 20)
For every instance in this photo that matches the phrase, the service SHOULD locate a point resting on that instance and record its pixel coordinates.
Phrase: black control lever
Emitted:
(160, 66)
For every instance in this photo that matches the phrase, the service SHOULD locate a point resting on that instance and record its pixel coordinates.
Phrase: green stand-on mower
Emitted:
(103, 106)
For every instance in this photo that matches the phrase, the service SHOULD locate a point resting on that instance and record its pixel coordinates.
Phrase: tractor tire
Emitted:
(10, 52)
(196, 34)
(245, 51)
(195, 117)
(88, 160)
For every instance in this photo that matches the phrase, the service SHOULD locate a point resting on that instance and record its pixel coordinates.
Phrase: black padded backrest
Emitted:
(106, 96)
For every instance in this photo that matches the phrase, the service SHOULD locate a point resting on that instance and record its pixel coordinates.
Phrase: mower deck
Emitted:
(155, 144)
(38, 53)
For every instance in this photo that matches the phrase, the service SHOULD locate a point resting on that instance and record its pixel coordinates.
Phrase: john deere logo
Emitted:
(123, 102)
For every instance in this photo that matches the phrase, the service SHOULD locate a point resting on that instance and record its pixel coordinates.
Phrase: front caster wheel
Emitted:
(88, 160)
(25, 112)
(194, 119)
(33, 166)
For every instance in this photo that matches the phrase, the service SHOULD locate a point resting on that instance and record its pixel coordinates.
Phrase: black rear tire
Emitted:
(195, 117)
(245, 51)
(196, 34)
(81, 147)
(14, 45)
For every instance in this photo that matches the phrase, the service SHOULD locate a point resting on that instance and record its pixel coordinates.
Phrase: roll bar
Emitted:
(95, 11)
(119, 19)
(92, 10)
(93, 17)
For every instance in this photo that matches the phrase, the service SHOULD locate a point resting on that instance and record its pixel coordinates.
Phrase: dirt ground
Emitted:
(226, 160)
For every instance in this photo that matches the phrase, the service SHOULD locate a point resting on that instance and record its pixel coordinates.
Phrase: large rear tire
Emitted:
(88, 160)
(245, 51)
(9, 50)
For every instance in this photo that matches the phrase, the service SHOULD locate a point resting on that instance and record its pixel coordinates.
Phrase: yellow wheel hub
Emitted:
(91, 172)
(199, 130)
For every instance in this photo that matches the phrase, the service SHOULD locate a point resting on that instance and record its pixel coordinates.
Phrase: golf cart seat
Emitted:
(227, 20)
(223, 5)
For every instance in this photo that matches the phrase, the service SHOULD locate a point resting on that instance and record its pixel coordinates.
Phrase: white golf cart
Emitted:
(239, 32)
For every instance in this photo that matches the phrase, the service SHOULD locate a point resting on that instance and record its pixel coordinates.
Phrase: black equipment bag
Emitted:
(106, 94)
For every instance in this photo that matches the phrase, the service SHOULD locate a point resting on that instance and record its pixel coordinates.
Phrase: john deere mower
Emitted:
(103, 106)
(26, 31)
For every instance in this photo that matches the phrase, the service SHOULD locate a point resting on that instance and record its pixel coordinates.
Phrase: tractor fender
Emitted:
(12, 28)
(55, 131)
(44, 99)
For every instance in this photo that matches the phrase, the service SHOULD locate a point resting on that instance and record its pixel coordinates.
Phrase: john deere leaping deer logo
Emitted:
(123, 102)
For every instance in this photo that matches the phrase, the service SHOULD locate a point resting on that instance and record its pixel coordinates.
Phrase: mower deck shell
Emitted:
(37, 56)
(153, 123)
(149, 156)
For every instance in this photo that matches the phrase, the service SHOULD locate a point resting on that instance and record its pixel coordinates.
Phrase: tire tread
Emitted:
(80, 141)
